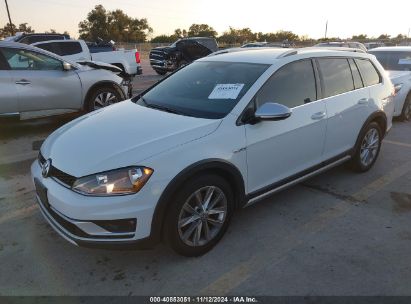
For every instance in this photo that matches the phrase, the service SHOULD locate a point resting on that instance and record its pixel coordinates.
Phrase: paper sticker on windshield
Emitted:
(404, 61)
(226, 91)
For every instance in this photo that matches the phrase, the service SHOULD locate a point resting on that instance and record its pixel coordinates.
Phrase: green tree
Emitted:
(163, 39)
(360, 37)
(7, 29)
(113, 25)
(237, 36)
(201, 30)
(384, 37)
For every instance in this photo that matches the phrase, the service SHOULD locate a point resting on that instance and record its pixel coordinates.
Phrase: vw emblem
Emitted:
(45, 168)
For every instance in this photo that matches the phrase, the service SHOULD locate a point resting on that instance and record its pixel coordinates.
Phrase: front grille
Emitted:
(64, 178)
(61, 177)
(157, 55)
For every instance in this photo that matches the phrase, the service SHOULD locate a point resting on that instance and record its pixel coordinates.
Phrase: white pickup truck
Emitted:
(77, 50)
(396, 60)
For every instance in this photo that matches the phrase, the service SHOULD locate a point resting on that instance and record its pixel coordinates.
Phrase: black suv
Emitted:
(37, 37)
(183, 51)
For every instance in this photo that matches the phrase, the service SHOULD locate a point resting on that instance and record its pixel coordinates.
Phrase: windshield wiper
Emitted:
(165, 109)
(161, 108)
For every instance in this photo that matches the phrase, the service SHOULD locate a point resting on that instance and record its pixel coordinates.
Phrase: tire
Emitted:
(369, 140)
(102, 97)
(191, 231)
(406, 109)
(160, 72)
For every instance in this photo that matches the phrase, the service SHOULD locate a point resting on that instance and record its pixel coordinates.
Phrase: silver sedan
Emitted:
(36, 83)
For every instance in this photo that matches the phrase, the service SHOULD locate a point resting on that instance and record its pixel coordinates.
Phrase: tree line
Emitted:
(118, 26)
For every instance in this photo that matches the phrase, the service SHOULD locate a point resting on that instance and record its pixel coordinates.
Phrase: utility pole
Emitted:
(326, 29)
(11, 24)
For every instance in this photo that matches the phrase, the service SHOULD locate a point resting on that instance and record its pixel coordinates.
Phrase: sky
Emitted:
(345, 18)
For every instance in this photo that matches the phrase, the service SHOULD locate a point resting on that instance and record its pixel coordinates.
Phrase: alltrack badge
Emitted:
(45, 168)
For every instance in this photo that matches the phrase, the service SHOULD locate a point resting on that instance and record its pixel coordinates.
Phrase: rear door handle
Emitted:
(318, 116)
(23, 82)
(363, 101)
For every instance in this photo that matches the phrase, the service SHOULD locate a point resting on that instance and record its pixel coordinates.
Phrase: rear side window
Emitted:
(61, 48)
(355, 74)
(69, 48)
(336, 76)
(292, 85)
(368, 72)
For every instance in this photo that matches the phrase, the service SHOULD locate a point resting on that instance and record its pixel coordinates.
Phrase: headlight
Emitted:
(116, 182)
(397, 88)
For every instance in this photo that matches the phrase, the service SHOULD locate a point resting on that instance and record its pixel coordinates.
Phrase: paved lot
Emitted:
(337, 234)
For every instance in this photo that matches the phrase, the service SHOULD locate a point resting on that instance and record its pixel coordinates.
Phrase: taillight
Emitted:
(138, 57)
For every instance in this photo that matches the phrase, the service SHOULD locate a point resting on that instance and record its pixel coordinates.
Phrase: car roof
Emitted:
(272, 55)
(392, 48)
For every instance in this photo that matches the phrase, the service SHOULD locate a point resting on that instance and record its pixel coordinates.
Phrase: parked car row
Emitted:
(238, 126)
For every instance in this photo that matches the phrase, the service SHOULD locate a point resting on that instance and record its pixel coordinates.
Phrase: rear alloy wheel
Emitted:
(199, 215)
(406, 110)
(103, 97)
(368, 149)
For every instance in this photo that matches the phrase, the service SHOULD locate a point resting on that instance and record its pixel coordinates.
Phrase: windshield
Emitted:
(203, 89)
(394, 61)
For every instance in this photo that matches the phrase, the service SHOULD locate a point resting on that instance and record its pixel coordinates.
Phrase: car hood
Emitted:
(118, 136)
(395, 75)
(100, 65)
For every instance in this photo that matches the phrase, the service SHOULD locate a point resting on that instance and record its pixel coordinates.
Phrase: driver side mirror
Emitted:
(272, 111)
(67, 66)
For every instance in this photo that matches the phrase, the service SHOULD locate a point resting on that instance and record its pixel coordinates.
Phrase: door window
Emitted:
(336, 76)
(292, 85)
(20, 59)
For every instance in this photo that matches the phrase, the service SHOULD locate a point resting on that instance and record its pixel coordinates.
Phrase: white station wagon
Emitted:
(221, 133)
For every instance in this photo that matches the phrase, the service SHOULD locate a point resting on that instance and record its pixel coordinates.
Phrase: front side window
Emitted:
(19, 59)
(292, 85)
(203, 89)
(336, 76)
(368, 72)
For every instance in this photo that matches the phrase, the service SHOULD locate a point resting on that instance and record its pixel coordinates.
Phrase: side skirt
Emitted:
(295, 179)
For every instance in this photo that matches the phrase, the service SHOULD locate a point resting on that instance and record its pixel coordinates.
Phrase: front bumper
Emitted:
(115, 222)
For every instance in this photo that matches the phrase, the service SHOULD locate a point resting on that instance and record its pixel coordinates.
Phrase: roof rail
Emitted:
(341, 49)
(288, 53)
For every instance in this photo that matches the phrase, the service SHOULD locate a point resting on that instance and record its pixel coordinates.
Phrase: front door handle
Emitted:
(318, 116)
(23, 82)
(363, 101)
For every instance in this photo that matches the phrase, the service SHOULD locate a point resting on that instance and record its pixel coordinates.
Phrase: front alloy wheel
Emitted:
(198, 215)
(202, 216)
(103, 97)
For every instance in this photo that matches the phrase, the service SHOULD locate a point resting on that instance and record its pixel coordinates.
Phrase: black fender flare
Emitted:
(103, 83)
(219, 166)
